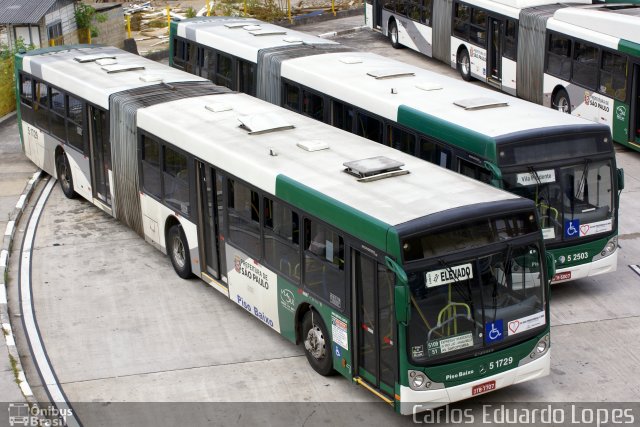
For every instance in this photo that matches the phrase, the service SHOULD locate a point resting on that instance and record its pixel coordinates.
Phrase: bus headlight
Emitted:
(418, 380)
(541, 347)
(610, 247)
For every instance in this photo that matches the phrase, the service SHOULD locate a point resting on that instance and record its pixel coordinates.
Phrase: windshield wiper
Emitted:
(582, 185)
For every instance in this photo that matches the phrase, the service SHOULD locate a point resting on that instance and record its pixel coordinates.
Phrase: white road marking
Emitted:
(45, 369)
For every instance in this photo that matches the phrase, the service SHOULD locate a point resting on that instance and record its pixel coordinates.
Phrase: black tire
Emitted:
(317, 343)
(561, 101)
(393, 35)
(63, 170)
(178, 251)
(464, 65)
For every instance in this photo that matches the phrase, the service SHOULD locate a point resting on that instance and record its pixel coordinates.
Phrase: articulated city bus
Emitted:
(573, 56)
(565, 164)
(421, 285)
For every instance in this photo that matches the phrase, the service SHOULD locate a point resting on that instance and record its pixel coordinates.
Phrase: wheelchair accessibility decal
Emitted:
(571, 228)
(493, 331)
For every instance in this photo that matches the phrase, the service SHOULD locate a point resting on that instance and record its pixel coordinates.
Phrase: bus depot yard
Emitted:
(119, 326)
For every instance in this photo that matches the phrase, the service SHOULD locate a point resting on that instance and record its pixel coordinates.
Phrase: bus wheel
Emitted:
(393, 35)
(464, 65)
(561, 101)
(178, 251)
(317, 343)
(63, 170)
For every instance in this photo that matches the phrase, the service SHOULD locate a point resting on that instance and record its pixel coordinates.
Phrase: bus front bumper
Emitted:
(413, 402)
(600, 266)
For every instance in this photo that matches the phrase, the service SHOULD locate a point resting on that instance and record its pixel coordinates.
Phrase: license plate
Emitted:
(483, 388)
(561, 276)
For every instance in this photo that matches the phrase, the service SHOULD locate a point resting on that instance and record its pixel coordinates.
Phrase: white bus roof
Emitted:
(94, 82)
(243, 36)
(428, 92)
(216, 137)
(512, 8)
(615, 20)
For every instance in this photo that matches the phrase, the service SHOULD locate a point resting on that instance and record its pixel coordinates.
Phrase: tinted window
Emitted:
(281, 238)
(613, 75)
(585, 65)
(151, 166)
(559, 56)
(244, 217)
(324, 263)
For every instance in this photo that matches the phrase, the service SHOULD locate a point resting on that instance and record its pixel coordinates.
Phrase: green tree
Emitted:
(86, 18)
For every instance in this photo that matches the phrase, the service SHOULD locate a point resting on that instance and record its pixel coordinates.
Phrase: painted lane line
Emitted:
(21, 201)
(10, 226)
(47, 374)
(636, 269)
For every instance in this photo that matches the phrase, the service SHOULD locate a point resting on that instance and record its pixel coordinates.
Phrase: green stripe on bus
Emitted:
(438, 128)
(629, 47)
(335, 213)
(173, 32)
(43, 50)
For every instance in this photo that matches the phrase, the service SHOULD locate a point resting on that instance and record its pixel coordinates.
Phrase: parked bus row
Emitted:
(565, 164)
(575, 57)
(420, 284)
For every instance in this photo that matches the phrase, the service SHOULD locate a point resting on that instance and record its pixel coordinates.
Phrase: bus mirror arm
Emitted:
(551, 266)
(620, 180)
(496, 173)
(401, 292)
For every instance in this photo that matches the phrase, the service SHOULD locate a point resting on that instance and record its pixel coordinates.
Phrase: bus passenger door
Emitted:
(494, 50)
(100, 149)
(376, 348)
(208, 222)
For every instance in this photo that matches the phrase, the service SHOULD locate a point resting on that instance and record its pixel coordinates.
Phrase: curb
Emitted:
(7, 117)
(9, 233)
(332, 34)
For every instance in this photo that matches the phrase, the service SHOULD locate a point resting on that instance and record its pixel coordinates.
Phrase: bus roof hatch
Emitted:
(479, 103)
(374, 168)
(263, 123)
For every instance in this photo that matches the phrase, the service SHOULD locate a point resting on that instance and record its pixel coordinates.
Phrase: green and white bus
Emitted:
(573, 56)
(565, 164)
(421, 285)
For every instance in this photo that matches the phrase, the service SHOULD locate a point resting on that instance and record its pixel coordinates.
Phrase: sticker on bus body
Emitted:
(533, 178)
(596, 227)
(339, 331)
(526, 323)
(446, 345)
(448, 275)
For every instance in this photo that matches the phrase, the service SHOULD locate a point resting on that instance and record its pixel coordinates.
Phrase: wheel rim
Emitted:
(394, 34)
(464, 65)
(63, 173)
(314, 343)
(178, 252)
(562, 104)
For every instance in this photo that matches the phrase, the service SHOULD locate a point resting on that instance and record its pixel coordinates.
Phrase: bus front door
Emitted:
(100, 148)
(494, 51)
(210, 248)
(376, 350)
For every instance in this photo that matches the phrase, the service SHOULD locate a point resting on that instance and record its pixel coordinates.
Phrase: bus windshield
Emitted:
(479, 297)
(573, 201)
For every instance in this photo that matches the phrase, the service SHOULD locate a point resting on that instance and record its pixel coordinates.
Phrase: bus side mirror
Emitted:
(402, 294)
(551, 265)
(402, 300)
(620, 179)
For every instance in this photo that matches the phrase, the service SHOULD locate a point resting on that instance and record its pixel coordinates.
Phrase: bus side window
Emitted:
(224, 71)
(369, 127)
(41, 106)
(281, 238)
(246, 76)
(26, 90)
(510, 39)
(461, 15)
(210, 65)
(291, 97)
(401, 140)
(473, 171)
(176, 181)
(613, 75)
(559, 56)
(341, 116)
(478, 33)
(585, 65)
(435, 153)
(324, 263)
(244, 217)
(312, 105)
(151, 182)
(426, 12)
